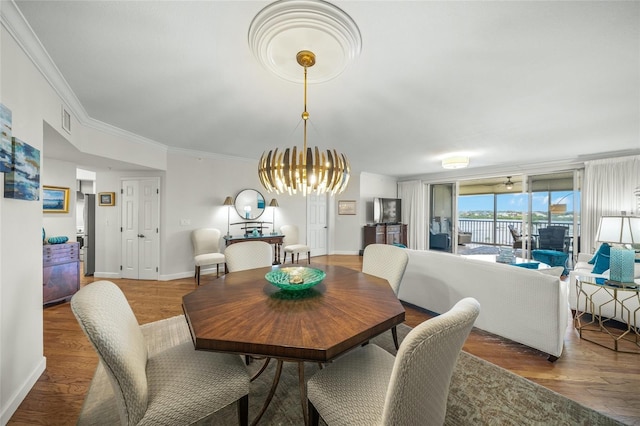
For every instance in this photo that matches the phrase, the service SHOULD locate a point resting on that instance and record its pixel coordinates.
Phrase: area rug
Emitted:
(481, 393)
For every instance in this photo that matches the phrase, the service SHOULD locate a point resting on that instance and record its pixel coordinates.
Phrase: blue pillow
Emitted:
(601, 259)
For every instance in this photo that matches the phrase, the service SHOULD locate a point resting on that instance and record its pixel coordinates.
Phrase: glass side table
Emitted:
(618, 329)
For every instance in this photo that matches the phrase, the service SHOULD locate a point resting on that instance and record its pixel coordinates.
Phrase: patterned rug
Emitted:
(481, 393)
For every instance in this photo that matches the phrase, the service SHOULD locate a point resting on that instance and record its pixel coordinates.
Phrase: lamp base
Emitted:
(621, 265)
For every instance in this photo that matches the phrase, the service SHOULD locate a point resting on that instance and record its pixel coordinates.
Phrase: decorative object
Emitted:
(618, 231)
(305, 171)
(58, 240)
(55, 199)
(506, 255)
(23, 181)
(347, 207)
(228, 202)
(249, 204)
(273, 204)
(107, 198)
(5, 139)
(295, 278)
(455, 162)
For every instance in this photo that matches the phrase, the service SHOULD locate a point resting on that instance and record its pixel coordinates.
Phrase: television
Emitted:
(387, 210)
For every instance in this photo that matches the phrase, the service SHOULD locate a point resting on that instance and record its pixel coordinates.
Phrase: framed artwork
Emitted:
(5, 139)
(55, 199)
(23, 181)
(66, 120)
(107, 199)
(346, 207)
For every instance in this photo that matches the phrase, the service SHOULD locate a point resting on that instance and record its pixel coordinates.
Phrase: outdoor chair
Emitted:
(553, 238)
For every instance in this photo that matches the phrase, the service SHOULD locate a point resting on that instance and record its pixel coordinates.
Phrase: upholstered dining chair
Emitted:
(206, 250)
(178, 385)
(248, 255)
(369, 386)
(388, 262)
(291, 244)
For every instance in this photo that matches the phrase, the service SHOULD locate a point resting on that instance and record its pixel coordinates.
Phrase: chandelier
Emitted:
(308, 169)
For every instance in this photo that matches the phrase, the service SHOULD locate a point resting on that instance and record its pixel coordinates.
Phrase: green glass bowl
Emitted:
(295, 278)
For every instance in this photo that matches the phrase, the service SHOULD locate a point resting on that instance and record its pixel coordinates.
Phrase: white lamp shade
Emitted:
(619, 229)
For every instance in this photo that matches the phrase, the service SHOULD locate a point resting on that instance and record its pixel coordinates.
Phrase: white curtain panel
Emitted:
(413, 214)
(608, 189)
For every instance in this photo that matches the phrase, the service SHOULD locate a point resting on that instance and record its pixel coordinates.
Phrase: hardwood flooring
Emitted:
(597, 377)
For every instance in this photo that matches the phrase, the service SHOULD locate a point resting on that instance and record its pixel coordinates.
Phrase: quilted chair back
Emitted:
(291, 235)
(385, 261)
(248, 255)
(108, 321)
(205, 240)
(419, 386)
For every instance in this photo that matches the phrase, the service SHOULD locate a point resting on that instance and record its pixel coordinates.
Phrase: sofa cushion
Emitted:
(601, 259)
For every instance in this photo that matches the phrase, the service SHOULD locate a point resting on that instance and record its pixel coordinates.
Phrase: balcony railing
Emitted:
(482, 230)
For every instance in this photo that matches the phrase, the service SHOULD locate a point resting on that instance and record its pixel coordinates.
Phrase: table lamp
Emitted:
(617, 231)
(228, 202)
(273, 204)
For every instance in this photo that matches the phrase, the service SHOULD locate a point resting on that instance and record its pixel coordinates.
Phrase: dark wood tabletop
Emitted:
(243, 313)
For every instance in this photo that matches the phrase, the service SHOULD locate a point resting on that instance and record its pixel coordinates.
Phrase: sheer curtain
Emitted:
(608, 189)
(412, 195)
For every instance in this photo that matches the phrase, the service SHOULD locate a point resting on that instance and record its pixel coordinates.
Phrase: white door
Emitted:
(317, 224)
(140, 228)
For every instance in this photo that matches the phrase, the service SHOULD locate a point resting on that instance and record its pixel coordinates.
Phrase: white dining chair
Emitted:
(369, 386)
(248, 255)
(388, 262)
(206, 250)
(291, 244)
(177, 386)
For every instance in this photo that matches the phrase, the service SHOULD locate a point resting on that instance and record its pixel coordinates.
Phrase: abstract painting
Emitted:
(23, 181)
(5, 139)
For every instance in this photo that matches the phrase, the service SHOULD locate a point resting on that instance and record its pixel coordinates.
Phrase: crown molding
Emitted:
(211, 155)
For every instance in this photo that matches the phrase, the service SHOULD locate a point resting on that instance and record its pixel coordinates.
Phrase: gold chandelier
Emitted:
(306, 170)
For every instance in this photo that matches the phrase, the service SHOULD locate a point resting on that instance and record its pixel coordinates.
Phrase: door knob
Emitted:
(140, 235)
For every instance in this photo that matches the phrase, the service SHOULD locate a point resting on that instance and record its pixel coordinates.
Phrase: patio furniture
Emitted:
(553, 238)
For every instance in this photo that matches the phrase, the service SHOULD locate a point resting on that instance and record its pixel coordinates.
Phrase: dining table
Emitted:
(243, 313)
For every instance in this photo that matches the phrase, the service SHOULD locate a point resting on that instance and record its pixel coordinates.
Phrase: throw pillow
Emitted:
(601, 259)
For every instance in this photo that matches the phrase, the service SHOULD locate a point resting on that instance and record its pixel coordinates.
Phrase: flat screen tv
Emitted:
(387, 210)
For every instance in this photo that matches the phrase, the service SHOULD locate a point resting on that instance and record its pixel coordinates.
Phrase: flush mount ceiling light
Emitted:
(288, 26)
(308, 170)
(457, 162)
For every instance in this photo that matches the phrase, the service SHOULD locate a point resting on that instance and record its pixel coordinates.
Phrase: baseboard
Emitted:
(190, 274)
(110, 275)
(16, 399)
(354, 252)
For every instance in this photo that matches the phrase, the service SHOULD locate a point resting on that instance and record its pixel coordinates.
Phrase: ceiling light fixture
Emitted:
(458, 162)
(508, 184)
(308, 170)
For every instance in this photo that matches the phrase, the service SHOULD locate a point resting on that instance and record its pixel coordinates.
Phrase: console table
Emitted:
(595, 328)
(385, 234)
(276, 240)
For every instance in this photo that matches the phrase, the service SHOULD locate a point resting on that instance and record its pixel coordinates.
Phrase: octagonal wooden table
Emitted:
(243, 313)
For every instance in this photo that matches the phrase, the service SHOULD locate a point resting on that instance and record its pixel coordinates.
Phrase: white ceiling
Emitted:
(508, 82)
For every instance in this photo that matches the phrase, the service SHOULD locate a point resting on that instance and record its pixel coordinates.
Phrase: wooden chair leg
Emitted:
(394, 332)
(297, 257)
(198, 274)
(292, 257)
(309, 257)
(243, 410)
(217, 270)
(314, 417)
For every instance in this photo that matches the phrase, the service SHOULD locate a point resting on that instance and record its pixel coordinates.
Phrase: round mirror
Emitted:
(249, 204)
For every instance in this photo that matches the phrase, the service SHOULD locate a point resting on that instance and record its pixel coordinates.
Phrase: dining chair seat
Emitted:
(291, 244)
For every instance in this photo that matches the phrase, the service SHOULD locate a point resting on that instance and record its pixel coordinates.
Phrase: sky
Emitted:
(515, 202)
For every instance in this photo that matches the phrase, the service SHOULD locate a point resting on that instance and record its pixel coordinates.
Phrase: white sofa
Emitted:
(520, 304)
(583, 269)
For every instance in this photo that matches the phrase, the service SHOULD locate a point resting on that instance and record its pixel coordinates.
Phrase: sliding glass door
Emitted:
(442, 232)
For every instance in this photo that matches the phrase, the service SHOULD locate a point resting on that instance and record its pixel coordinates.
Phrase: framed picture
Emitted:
(346, 207)
(6, 149)
(55, 199)
(23, 181)
(66, 120)
(107, 199)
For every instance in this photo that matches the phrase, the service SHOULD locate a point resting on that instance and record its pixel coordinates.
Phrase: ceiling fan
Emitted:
(509, 184)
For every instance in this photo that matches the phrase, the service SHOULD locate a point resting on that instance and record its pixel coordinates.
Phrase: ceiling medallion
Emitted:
(288, 26)
(307, 170)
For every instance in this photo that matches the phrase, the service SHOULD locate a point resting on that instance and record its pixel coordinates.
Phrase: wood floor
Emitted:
(592, 375)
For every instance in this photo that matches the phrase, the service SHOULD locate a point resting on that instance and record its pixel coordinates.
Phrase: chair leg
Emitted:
(394, 333)
(217, 270)
(309, 257)
(297, 257)
(292, 257)
(243, 410)
(314, 417)
(198, 275)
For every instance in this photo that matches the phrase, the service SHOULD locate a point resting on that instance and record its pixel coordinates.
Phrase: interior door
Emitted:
(140, 228)
(317, 230)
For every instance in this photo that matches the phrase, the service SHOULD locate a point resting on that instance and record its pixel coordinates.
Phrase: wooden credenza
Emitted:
(60, 271)
(385, 234)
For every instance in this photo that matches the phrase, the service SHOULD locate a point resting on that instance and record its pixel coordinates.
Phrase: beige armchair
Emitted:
(206, 250)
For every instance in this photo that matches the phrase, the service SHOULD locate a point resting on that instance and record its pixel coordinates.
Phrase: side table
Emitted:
(620, 331)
